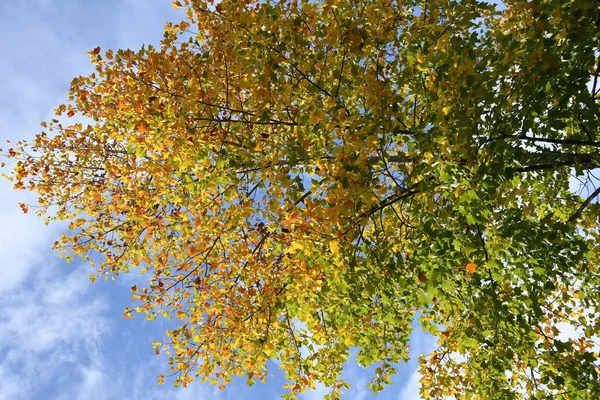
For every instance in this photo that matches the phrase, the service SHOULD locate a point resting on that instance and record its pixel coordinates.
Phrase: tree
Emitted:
(299, 178)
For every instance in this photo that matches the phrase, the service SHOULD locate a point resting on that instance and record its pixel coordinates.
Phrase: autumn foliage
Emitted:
(300, 178)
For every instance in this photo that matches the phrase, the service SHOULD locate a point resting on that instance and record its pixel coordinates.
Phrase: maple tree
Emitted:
(300, 178)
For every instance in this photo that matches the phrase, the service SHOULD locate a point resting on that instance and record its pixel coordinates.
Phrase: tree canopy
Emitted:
(299, 178)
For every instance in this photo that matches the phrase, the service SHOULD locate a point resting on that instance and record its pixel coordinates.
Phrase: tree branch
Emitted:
(577, 213)
(560, 141)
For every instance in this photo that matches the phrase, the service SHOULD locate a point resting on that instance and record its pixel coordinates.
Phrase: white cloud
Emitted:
(56, 334)
(358, 379)
(23, 239)
(94, 385)
(47, 326)
(410, 391)
(421, 343)
(317, 393)
(133, 381)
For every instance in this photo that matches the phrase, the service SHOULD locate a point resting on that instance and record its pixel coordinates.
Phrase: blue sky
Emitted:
(62, 337)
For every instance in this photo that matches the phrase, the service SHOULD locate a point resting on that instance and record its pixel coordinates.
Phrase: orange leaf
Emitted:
(471, 267)
(142, 128)
(96, 50)
(122, 105)
(70, 113)
(24, 207)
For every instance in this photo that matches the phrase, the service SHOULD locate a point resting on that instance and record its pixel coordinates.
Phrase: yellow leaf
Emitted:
(294, 248)
(349, 341)
(334, 246)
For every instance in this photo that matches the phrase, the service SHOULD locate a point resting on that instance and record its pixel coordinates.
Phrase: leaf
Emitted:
(334, 246)
(472, 268)
(142, 128)
(94, 52)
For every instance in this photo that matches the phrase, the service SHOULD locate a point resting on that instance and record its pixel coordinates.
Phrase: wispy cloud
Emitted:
(410, 391)
(421, 343)
(48, 326)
